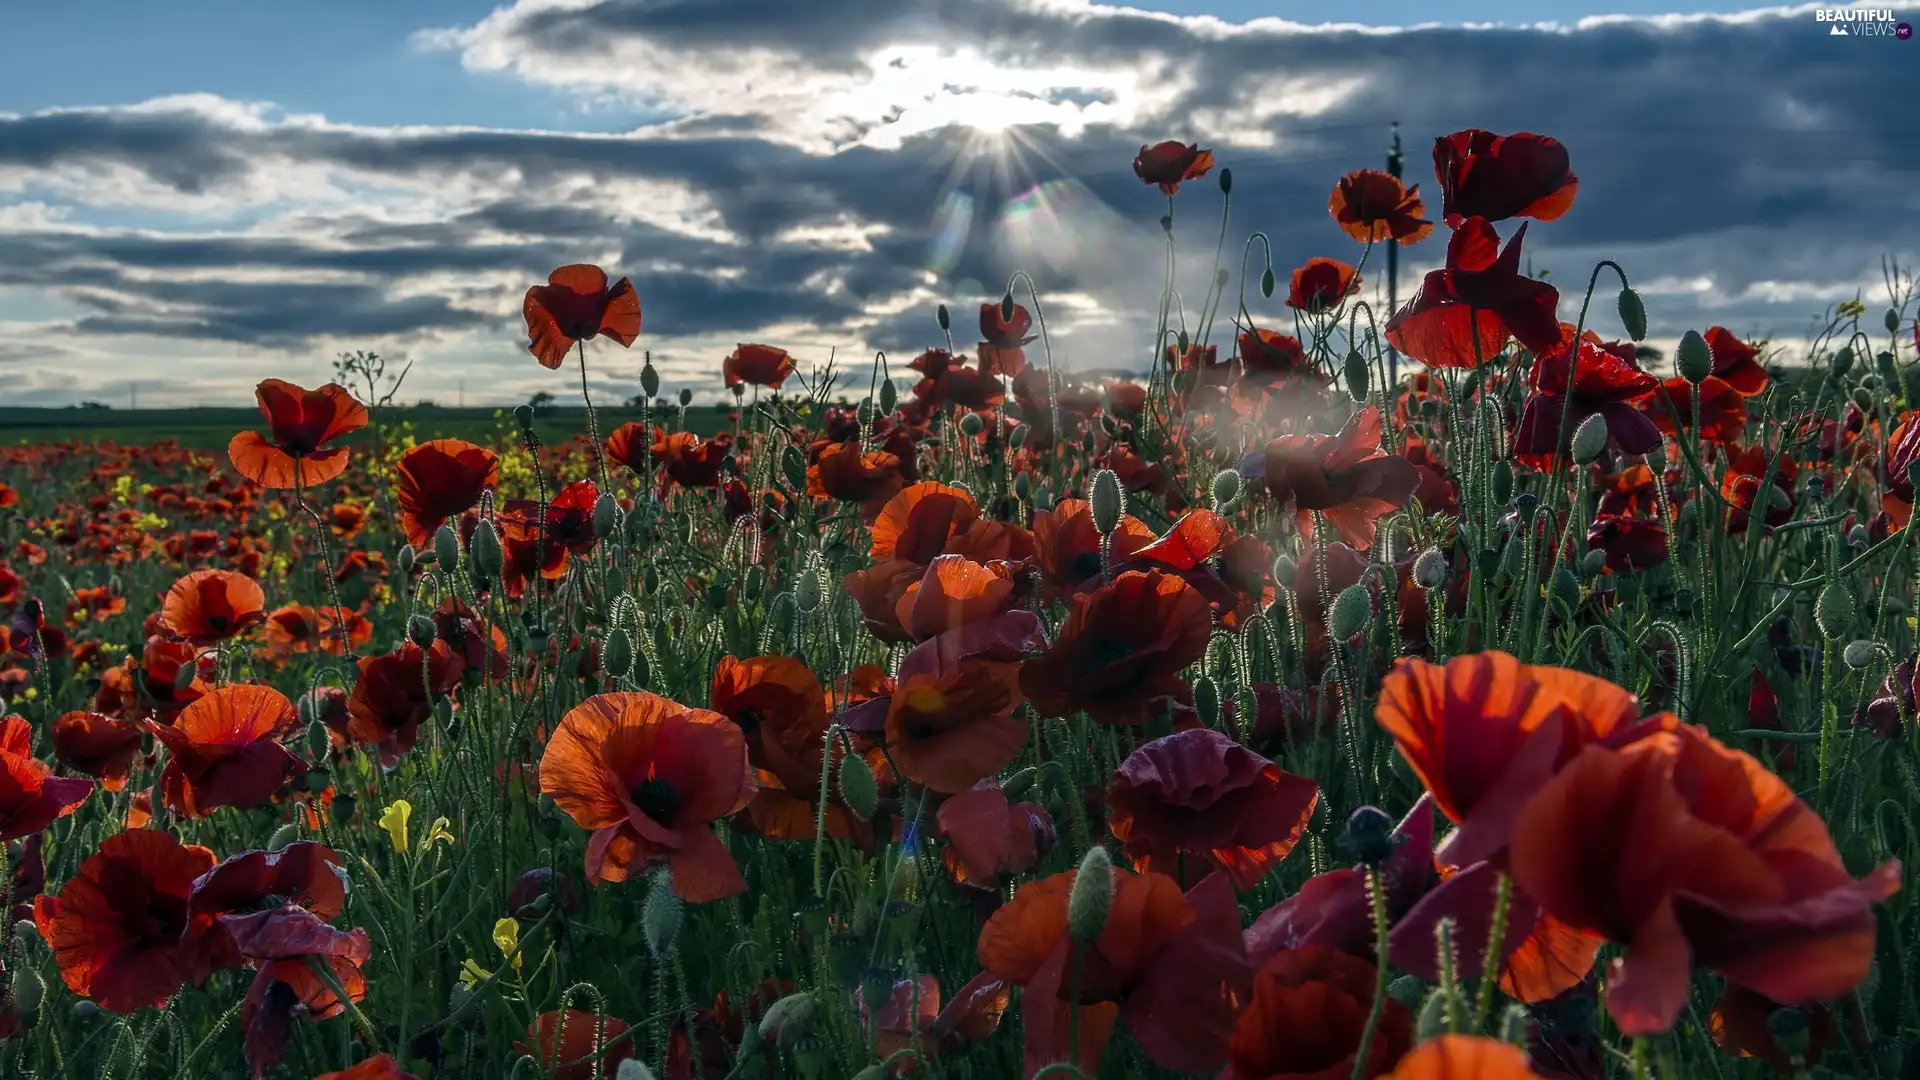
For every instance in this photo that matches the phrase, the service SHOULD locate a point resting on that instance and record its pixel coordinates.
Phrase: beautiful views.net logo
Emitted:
(1863, 22)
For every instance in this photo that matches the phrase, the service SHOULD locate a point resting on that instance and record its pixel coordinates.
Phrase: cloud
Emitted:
(821, 175)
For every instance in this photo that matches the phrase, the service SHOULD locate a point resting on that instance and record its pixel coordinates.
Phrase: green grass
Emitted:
(211, 428)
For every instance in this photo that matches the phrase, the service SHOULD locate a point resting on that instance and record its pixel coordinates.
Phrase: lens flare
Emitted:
(952, 224)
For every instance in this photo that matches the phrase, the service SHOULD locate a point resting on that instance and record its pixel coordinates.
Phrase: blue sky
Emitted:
(197, 200)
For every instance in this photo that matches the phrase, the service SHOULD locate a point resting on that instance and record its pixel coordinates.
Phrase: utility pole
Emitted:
(1393, 263)
(133, 396)
(463, 393)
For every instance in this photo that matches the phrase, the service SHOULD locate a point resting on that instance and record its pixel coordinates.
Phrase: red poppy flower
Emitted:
(761, 365)
(1464, 1057)
(99, 746)
(1464, 312)
(439, 480)
(377, 1067)
(300, 424)
(649, 777)
(1306, 1017)
(1735, 362)
(629, 445)
(120, 929)
(1371, 206)
(574, 305)
(1271, 358)
(954, 592)
(1127, 397)
(843, 472)
(1723, 412)
(1321, 284)
(1741, 486)
(1739, 1024)
(950, 721)
(303, 873)
(917, 524)
(690, 461)
(1067, 545)
(566, 1049)
(780, 709)
(990, 838)
(1120, 651)
(9, 498)
(962, 386)
(878, 591)
(1502, 176)
(1169, 965)
(1606, 383)
(1345, 476)
(298, 628)
(1631, 543)
(31, 797)
(285, 943)
(207, 607)
(1903, 449)
(394, 693)
(1688, 853)
(1200, 792)
(1170, 163)
(224, 751)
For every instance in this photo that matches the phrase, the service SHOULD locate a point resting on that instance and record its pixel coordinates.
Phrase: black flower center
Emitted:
(656, 798)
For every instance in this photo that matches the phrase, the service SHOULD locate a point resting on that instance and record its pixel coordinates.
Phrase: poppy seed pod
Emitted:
(523, 416)
(857, 788)
(660, 919)
(1351, 610)
(1226, 181)
(635, 1069)
(940, 316)
(1107, 501)
(1843, 361)
(1267, 283)
(1206, 701)
(617, 657)
(1693, 358)
(1357, 375)
(1226, 487)
(406, 558)
(1091, 896)
(1833, 612)
(1589, 439)
(446, 547)
(420, 631)
(485, 549)
(650, 380)
(1633, 314)
(971, 425)
(606, 515)
(1368, 836)
(1859, 654)
(1430, 569)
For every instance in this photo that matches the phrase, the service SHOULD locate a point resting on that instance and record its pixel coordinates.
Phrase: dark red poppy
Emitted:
(99, 746)
(990, 838)
(207, 607)
(1735, 362)
(574, 305)
(1723, 412)
(1067, 545)
(566, 1048)
(1465, 312)
(1271, 358)
(394, 693)
(300, 424)
(963, 386)
(843, 472)
(224, 750)
(1606, 383)
(1502, 176)
(1170, 163)
(285, 943)
(1346, 477)
(1199, 793)
(1742, 488)
(690, 461)
(761, 365)
(31, 797)
(950, 722)
(1005, 332)
(1126, 397)
(120, 928)
(1306, 1017)
(1631, 543)
(439, 480)
(1739, 1024)
(1903, 449)
(1321, 284)
(1372, 206)
(1120, 651)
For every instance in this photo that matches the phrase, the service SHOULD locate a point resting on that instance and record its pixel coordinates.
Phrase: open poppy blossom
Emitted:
(918, 523)
(950, 722)
(1630, 543)
(1170, 163)
(393, 694)
(687, 459)
(1903, 449)
(989, 837)
(1270, 358)
(1607, 383)
(224, 750)
(120, 928)
(1120, 651)
(1502, 176)
(781, 710)
(1735, 362)
(99, 746)
(1372, 206)
(575, 305)
(31, 797)
(1723, 412)
(1346, 477)
(300, 424)
(303, 873)
(649, 777)
(845, 473)
(439, 480)
(1464, 312)
(1198, 792)
(207, 607)
(1321, 284)
(1742, 487)
(878, 591)
(953, 592)
(1306, 1017)
(1067, 545)
(761, 365)
(566, 1047)
(285, 944)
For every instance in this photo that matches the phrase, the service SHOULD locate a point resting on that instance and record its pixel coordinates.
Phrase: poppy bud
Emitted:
(1019, 783)
(1858, 536)
(1357, 375)
(1091, 895)
(649, 379)
(971, 425)
(1566, 588)
(1526, 504)
(1107, 502)
(1206, 701)
(1023, 487)
(1018, 437)
(1859, 654)
(1267, 283)
(717, 596)
(1220, 278)
(284, 835)
(1589, 439)
(686, 397)
(663, 913)
(1043, 495)
(617, 657)
(940, 316)
(1006, 307)
(1430, 569)
(810, 591)
(1633, 314)
(1513, 1025)
(1502, 482)
(1185, 342)
(446, 547)
(406, 558)
(485, 551)
(889, 395)
(443, 710)
(1226, 487)
(1834, 610)
(1594, 562)
(523, 416)
(1693, 358)
(1408, 990)
(635, 1069)
(420, 631)
(787, 1020)
(1789, 1028)
(1351, 611)
(85, 1010)
(1226, 181)
(26, 991)
(1283, 570)
(793, 466)
(606, 515)
(343, 807)
(1863, 398)
(857, 789)
(1843, 361)
(1368, 836)
(1891, 320)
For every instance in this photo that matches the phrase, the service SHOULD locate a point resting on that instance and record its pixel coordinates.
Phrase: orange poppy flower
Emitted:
(1691, 853)
(1169, 965)
(296, 629)
(1120, 652)
(439, 480)
(377, 1067)
(1273, 359)
(953, 592)
(629, 445)
(1465, 311)
(1067, 545)
(649, 777)
(574, 305)
(394, 693)
(1200, 792)
(1371, 206)
(1344, 476)
(1464, 1057)
(31, 797)
(918, 523)
(761, 365)
(843, 472)
(1170, 163)
(207, 607)
(878, 591)
(1738, 1022)
(990, 838)
(1735, 362)
(120, 929)
(347, 519)
(1320, 284)
(781, 710)
(566, 1050)
(99, 746)
(950, 722)
(1903, 448)
(1502, 176)
(9, 498)
(1306, 1017)
(224, 751)
(300, 424)
(690, 461)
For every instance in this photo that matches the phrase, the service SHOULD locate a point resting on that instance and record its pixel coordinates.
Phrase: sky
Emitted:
(196, 196)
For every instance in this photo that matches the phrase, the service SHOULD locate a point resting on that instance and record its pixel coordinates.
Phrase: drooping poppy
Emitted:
(120, 928)
(566, 1048)
(303, 873)
(300, 424)
(207, 607)
(1735, 362)
(950, 722)
(31, 797)
(1464, 312)
(576, 305)
(1346, 477)
(1502, 176)
(1372, 206)
(989, 837)
(439, 480)
(1321, 284)
(1306, 1017)
(1464, 1057)
(1606, 384)
(1067, 545)
(99, 746)
(1005, 330)
(649, 777)
(761, 365)
(224, 750)
(1723, 412)
(394, 693)
(1120, 651)
(1199, 793)
(286, 944)
(1170, 163)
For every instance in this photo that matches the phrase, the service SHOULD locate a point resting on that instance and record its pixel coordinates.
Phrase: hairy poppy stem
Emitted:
(593, 422)
(1491, 964)
(1377, 900)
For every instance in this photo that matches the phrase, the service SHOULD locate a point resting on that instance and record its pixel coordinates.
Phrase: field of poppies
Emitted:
(1434, 694)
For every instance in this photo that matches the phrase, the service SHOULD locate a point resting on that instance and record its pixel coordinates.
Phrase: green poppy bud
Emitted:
(319, 740)
(284, 835)
(1694, 359)
(635, 1069)
(446, 547)
(421, 631)
(1352, 610)
(940, 316)
(663, 914)
(1226, 487)
(1589, 439)
(617, 657)
(1593, 562)
(971, 425)
(1107, 501)
(1566, 589)
(857, 789)
(1502, 482)
(649, 380)
(1226, 181)
(406, 558)
(1006, 307)
(1023, 487)
(1891, 320)
(793, 466)
(485, 547)
(1633, 314)
(1430, 569)
(1843, 361)
(1833, 611)
(810, 591)
(1091, 895)
(1357, 375)
(1283, 570)
(1267, 283)
(889, 395)
(1018, 784)
(1859, 654)
(1206, 701)
(606, 515)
